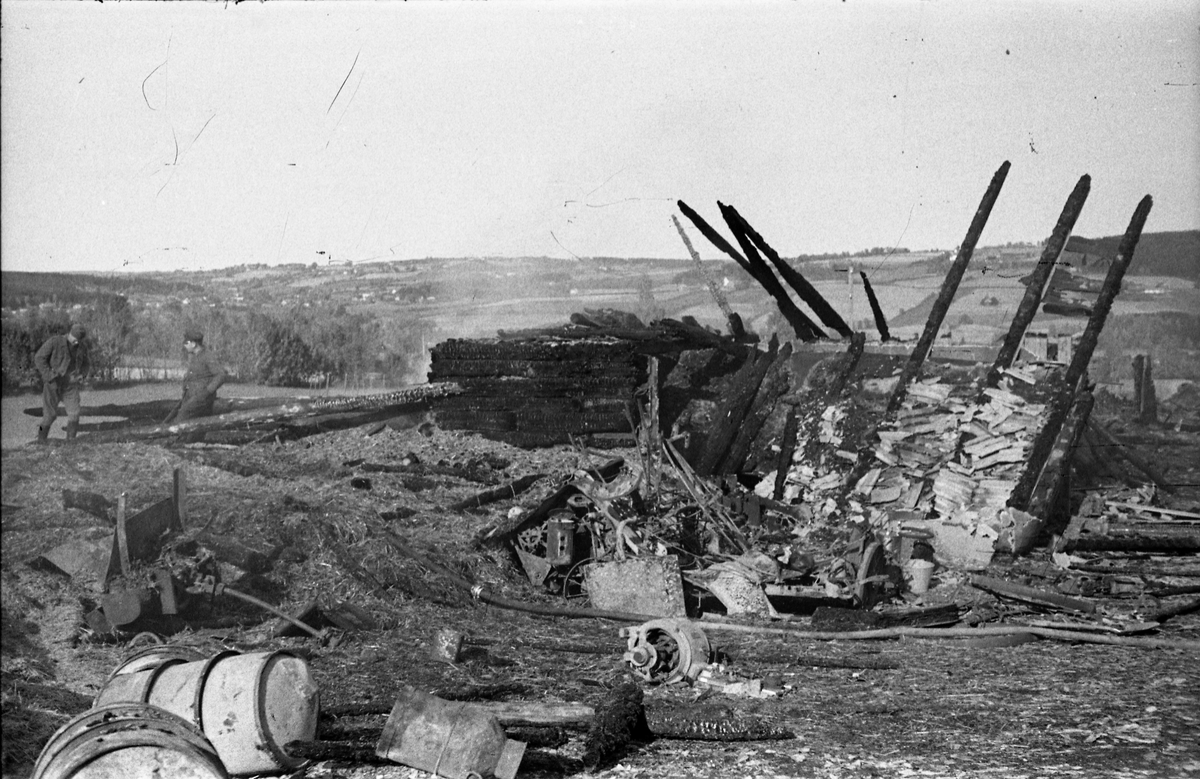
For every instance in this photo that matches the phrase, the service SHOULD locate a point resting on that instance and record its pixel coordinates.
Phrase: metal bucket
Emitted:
(254, 704)
(128, 741)
(180, 688)
(138, 672)
(249, 706)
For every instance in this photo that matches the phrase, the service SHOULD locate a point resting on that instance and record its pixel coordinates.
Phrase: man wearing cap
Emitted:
(204, 376)
(63, 364)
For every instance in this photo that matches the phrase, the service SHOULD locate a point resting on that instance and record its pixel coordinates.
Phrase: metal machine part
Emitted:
(560, 538)
(667, 650)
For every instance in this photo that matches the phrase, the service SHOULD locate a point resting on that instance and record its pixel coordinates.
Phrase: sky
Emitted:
(161, 136)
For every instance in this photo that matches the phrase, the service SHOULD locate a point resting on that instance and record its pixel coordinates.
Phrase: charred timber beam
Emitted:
(1109, 292)
(1031, 594)
(942, 304)
(787, 447)
(158, 409)
(732, 411)
(1037, 284)
(804, 328)
(807, 292)
(881, 325)
(774, 385)
(765, 276)
(1145, 398)
(701, 338)
(503, 492)
(1061, 404)
(410, 399)
(289, 430)
(736, 328)
(1053, 480)
(1132, 543)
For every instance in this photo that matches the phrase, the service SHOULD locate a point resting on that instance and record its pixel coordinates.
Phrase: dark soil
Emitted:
(918, 707)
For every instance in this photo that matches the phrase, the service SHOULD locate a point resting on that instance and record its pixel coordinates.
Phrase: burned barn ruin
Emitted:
(694, 482)
(856, 453)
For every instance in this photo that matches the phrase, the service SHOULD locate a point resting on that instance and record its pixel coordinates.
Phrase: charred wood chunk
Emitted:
(93, 503)
(618, 719)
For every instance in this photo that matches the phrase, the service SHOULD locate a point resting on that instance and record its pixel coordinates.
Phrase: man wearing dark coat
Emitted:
(204, 376)
(63, 363)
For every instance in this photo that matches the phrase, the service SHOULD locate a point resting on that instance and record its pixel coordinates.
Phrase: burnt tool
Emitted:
(208, 585)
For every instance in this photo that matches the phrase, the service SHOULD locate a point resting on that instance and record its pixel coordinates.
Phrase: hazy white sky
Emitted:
(144, 136)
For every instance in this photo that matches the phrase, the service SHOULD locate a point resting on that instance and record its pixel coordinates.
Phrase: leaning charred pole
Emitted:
(1037, 282)
(731, 413)
(736, 328)
(1049, 490)
(881, 324)
(807, 292)
(804, 327)
(942, 304)
(774, 384)
(758, 268)
(1061, 405)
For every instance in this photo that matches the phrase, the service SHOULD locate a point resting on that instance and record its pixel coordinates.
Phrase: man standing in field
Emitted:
(204, 376)
(63, 364)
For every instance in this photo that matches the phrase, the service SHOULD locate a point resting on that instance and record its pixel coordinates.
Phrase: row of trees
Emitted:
(297, 347)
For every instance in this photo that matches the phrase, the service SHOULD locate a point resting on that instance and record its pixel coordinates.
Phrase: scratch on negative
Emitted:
(147, 78)
(185, 151)
(347, 78)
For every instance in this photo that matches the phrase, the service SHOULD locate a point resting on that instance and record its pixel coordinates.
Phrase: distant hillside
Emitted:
(22, 289)
(1158, 254)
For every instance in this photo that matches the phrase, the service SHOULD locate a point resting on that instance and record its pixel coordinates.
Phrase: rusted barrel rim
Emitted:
(128, 714)
(260, 712)
(167, 650)
(92, 744)
(202, 682)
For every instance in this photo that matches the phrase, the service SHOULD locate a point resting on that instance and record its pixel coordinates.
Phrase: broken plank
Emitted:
(1031, 594)
(1152, 509)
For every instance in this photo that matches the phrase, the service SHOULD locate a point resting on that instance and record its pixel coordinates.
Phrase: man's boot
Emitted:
(72, 428)
(43, 435)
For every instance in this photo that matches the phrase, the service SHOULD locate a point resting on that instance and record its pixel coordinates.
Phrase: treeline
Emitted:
(874, 251)
(298, 347)
(23, 289)
(1158, 254)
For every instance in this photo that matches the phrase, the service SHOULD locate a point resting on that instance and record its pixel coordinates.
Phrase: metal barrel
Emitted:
(254, 704)
(128, 741)
(132, 679)
(154, 656)
(248, 705)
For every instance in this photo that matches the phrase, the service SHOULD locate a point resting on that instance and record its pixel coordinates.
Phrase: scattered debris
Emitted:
(450, 739)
